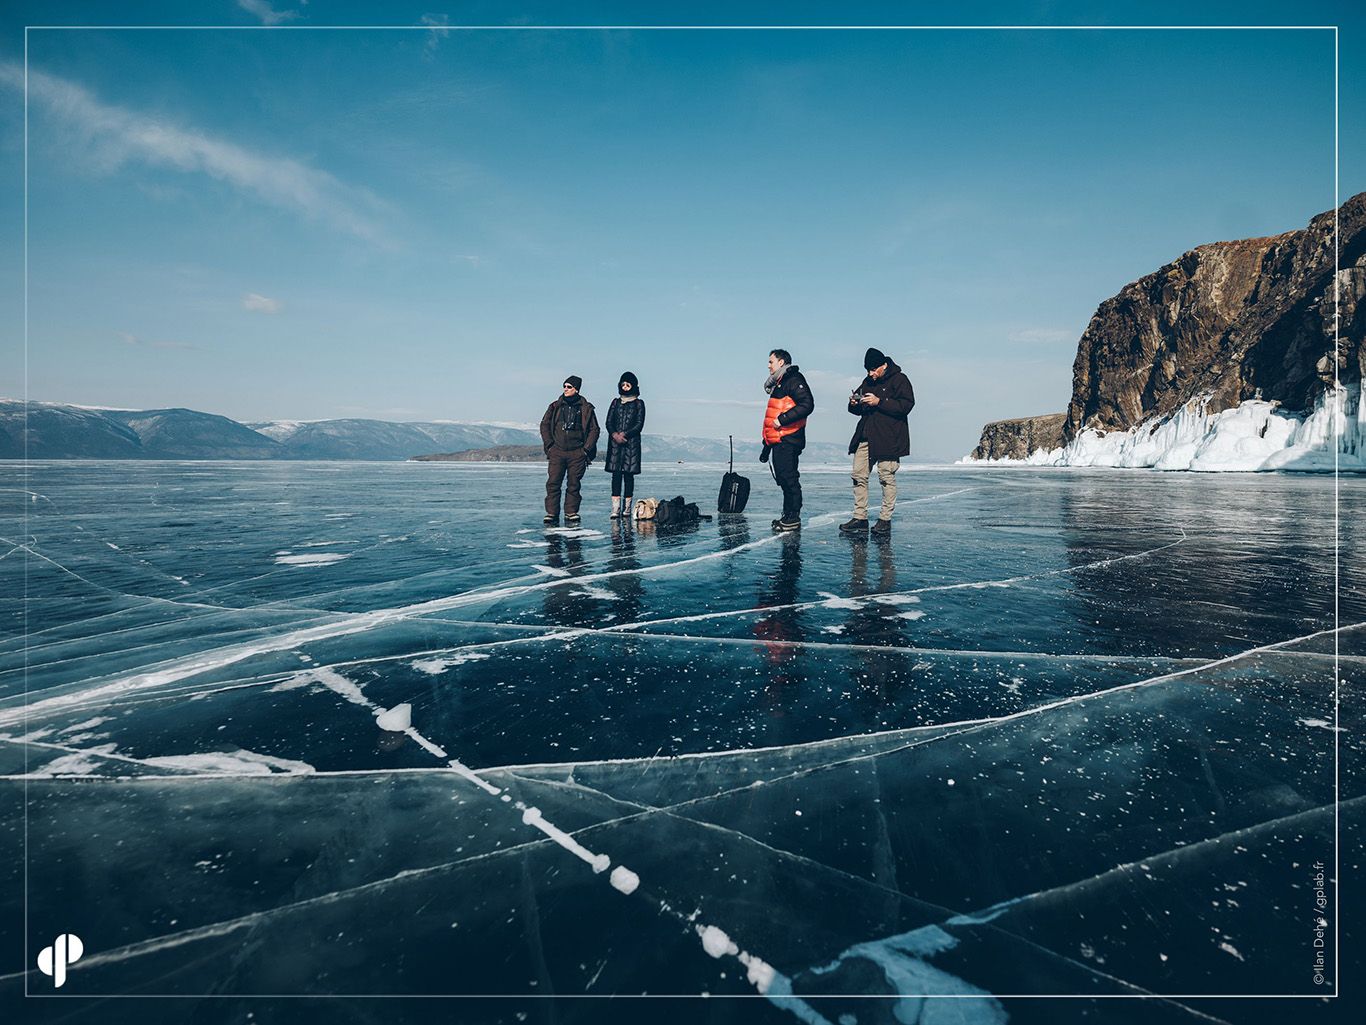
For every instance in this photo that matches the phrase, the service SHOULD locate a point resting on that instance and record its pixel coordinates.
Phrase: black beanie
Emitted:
(574, 382)
(872, 359)
(635, 385)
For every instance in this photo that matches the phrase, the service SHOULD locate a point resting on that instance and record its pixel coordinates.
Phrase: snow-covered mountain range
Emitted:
(62, 431)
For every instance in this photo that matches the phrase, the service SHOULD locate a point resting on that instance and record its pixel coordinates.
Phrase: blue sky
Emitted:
(440, 224)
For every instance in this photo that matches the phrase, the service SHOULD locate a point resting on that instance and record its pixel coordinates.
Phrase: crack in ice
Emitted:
(352, 623)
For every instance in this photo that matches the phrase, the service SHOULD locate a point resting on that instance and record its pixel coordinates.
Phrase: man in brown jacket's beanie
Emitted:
(569, 434)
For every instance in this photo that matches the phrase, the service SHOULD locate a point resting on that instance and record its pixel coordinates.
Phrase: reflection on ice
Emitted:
(1057, 735)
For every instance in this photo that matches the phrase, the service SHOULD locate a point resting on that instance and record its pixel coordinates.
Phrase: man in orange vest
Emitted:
(789, 404)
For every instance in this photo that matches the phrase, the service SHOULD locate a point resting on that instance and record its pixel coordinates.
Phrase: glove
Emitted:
(763, 456)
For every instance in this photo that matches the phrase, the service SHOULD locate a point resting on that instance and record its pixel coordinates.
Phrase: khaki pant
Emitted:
(886, 475)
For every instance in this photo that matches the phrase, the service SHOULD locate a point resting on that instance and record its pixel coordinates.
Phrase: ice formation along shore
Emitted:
(1255, 435)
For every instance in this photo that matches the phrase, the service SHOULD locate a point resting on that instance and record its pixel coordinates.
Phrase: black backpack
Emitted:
(734, 488)
(676, 510)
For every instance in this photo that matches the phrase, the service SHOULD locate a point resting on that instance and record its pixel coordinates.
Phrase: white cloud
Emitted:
(111, 137)
(260, 304)
(268, 15)
(440, 25)
(1043, 336)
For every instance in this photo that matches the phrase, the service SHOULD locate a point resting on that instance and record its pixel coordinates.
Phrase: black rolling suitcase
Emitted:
(734, 488)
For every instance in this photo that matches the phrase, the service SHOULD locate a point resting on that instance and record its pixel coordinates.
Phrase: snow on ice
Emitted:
(1255, 435)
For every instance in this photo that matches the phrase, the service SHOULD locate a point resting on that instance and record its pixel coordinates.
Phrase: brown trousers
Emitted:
(564, 463)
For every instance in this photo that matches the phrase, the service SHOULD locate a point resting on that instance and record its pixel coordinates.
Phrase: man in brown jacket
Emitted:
(569, 434)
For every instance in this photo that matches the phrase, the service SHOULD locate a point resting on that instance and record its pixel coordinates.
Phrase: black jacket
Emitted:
(793, 385)
(553, 429)
(629, 419)
(883, 426)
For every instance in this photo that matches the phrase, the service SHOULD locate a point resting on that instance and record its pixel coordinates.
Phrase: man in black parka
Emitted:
(882, 403)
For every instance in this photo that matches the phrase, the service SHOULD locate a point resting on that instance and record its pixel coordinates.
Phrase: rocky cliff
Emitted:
(1225, 323)
(1229, 320)
(1015, 439)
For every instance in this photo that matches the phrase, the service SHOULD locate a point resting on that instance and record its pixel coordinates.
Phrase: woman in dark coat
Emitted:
(625, 421)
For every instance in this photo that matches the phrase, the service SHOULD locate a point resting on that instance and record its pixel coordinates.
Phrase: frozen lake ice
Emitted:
(1065, 733)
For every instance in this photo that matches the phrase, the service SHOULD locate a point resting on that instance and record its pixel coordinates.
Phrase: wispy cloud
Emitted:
(261, 304)
(1042, 336)
(111, 137)
(830, 382)
(440, 25)
(743, 403)
(142, 343)
(396, 413)
(268, 15)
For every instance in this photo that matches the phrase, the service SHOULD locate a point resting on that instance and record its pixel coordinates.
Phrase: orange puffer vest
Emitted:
(775, 434)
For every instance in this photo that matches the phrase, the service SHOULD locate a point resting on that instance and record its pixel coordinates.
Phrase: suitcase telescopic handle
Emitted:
(732, 452)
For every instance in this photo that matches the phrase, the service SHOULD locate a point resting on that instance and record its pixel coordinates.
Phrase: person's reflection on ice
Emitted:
(781, 629)
(876, 624)
(627, 585)
(569, 604)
